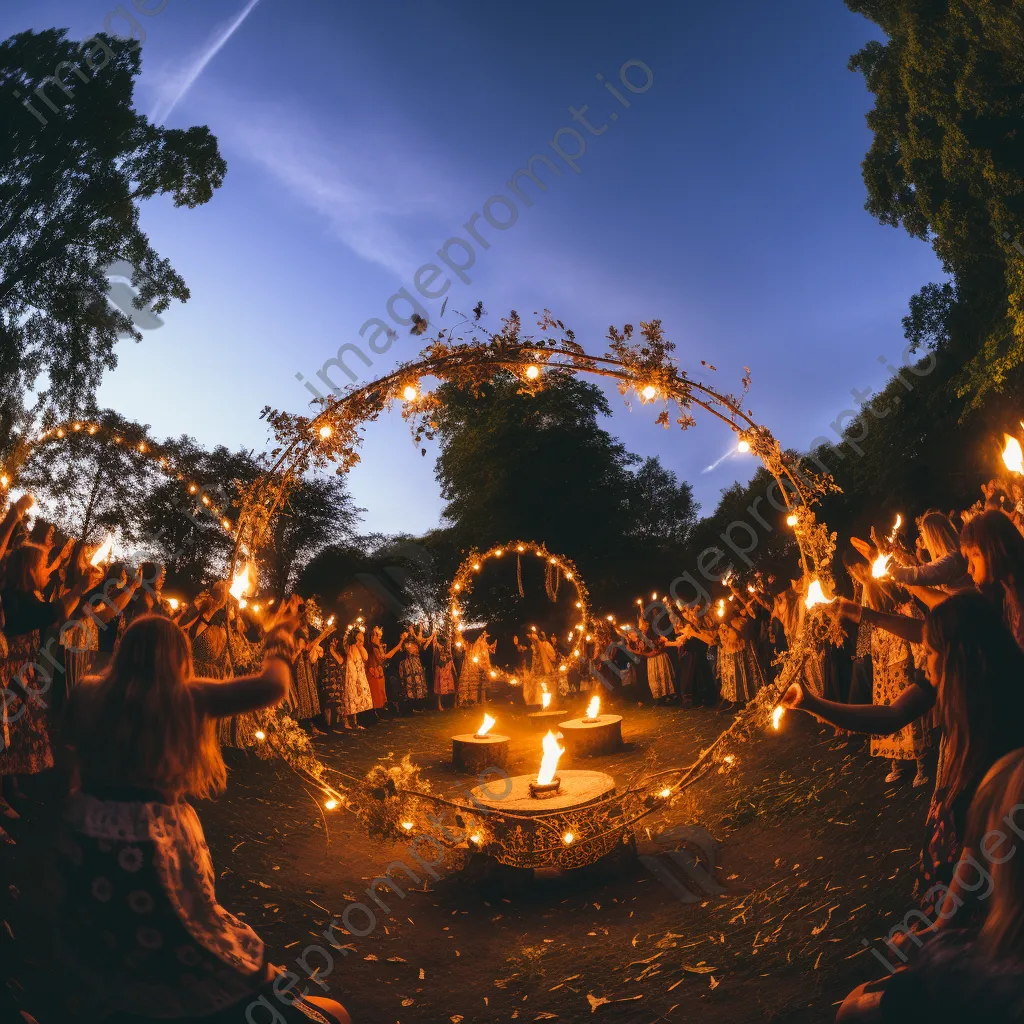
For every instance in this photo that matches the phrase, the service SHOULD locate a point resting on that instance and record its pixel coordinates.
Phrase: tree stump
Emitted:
(472, 754)
(585, 739)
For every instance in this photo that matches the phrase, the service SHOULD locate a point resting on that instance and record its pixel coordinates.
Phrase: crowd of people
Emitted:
(142, 693)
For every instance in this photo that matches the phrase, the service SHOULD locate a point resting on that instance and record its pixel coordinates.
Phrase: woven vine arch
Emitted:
(643, 369)
(473, 564)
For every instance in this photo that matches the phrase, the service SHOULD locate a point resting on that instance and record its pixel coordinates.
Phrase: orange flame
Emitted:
(594, 707)
(549, 760)
(103, 551)
(486, 725)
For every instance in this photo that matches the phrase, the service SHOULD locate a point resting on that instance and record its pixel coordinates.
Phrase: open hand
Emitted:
(794, 697)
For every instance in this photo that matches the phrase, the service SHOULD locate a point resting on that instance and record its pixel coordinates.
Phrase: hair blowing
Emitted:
(981, 696)
(137, 725)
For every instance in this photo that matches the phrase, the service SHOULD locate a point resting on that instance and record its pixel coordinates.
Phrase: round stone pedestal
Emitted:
(584, 739)
(563, 835)
(471, 754)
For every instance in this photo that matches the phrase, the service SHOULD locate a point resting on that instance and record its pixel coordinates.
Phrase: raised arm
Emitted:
(903, 626)
(877, 720)
(11, 520)
(218, 699)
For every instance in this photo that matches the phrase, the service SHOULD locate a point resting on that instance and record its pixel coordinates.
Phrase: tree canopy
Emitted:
(947, 164)
(76, 160)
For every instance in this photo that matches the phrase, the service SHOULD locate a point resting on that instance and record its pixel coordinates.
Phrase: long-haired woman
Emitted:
(994, 549)
(962, 973)
(946, 567)
(141, 928)
(974, 676)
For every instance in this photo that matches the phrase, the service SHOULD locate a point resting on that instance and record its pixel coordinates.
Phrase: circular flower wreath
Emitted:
(475, 562)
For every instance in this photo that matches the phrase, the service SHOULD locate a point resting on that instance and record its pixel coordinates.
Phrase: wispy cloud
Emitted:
(364, 188)
(176, 88)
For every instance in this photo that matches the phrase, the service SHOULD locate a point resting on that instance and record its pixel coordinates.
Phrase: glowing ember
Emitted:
(743, 447)
(1013, 457)
(549, 760)
(241, 583)
(816, 596)
(594, 707)
(486, 725)
(880, 566)
(331, 804)
(103, 551)
(777, 716)
(545, 700)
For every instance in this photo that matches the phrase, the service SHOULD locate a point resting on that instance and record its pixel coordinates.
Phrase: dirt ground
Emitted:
(817, 860)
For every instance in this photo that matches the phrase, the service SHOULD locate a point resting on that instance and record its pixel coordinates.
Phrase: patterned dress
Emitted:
(357, 697)
(306, 695)
(892, 662)
(660, 677)
(444, 677)
(24, 735)
(332, 682)
(410, 671)
(737, 667)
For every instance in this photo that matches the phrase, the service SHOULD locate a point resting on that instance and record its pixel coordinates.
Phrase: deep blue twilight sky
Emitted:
(727, 201)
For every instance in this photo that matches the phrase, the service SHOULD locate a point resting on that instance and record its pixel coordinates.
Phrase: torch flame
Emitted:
(594, 707)
(721, 608)
(1013, 457)
(241, 583)
(549, 761)
(880, 566)
(896, 527)
(545, 700)
(777, 716)
(486, 726)
(103, 551)
(815, 595)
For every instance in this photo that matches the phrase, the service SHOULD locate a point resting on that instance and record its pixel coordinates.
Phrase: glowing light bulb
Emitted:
(532, 372)
(407, 825)
(410, 394)
(791, 519)
(743, 447)
(331, 804)
(326, 431)
(260, 735)
(649, 393)
(568, 838)
(665, 793)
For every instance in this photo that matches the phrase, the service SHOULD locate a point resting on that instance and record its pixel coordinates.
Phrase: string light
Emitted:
(326, 431)
(532, 372)
(331, 804)
(791, 519)
(568, 838)
(649, 393)
(743, 447)
(410, 393)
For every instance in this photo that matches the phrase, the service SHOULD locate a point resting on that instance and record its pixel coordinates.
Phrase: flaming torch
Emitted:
(880, 566)
(103, 552)
(547, 782)
(593, 710)
(777, 716)
(241, 583)
(545, 700)
(816, 596)
(486, 725)
(1013, 457)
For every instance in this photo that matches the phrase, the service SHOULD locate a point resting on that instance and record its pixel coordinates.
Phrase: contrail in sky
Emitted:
(714, 465)
(188, 77)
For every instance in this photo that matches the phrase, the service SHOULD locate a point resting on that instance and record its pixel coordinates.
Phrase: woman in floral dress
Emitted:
(410, 670)
(444, 671)
(356, 696)
(332, 684)
(24, 735)
(140, 931)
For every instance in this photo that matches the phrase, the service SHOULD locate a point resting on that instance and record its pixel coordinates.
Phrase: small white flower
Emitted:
(130, 858)
(102, 889)
(140, 901)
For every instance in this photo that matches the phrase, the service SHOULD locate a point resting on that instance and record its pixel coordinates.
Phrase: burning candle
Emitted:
(594, 708)
(103, 551)
(777, 716)
(486, 725)
(816, 596)
(1013, 457)
(549, 760)
(880, 566)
